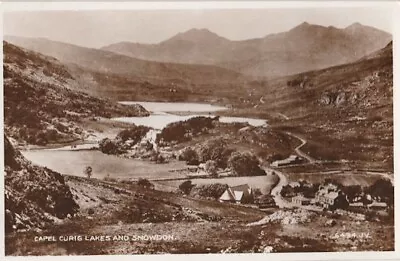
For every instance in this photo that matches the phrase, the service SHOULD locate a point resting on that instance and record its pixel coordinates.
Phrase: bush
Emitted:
(245, 164)
(157, 158)
(109, 179)
(145, 183)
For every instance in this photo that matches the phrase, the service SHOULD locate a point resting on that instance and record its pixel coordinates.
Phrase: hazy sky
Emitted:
(99, 28)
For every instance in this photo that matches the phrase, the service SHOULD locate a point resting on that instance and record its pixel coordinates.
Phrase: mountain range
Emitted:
(303, 48)
(116, 64)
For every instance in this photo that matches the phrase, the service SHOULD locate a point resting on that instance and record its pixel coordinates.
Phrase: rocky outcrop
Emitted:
(34, 196)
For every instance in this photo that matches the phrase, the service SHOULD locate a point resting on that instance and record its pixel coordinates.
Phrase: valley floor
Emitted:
(137, 220)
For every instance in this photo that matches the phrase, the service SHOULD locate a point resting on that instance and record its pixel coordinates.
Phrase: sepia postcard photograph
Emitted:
(198, 128)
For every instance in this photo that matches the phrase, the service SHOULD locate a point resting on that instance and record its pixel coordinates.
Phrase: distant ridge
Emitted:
(302, 48)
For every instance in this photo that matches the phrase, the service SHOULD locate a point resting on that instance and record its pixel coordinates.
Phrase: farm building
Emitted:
(377, 205)
(265, 201)
(239, 194)
(301, 200)
(330, 197)
(293, 159)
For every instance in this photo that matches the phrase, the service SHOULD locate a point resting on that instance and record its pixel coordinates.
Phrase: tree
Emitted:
(245, 164)
(383, 189)
(257, 192)
(211, 167)
(186, 186)
(190, 156)
(88, 171)
(352, 191)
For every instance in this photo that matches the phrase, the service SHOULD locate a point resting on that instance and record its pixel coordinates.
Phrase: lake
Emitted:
(161, 114)
(74, 162)
(176, 106)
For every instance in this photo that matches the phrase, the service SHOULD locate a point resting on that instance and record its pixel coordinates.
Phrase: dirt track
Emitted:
(297, 149)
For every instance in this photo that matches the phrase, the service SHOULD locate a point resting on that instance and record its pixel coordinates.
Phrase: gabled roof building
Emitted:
(239, 194)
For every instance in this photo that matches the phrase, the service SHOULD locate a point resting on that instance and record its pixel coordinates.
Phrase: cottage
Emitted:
(293, 159)
(239, 194)
(294, 184)
(301, 200)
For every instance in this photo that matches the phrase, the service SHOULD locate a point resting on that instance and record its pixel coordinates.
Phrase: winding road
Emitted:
(297, 149)
(276, 191)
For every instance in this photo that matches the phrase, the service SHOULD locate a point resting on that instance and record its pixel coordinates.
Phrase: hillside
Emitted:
(303, 48)
(344, 112)
(34, 196)
(41, 101)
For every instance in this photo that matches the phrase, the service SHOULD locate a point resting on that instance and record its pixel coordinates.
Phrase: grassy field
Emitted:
(346, 179)
(74, 162)
(264, 183)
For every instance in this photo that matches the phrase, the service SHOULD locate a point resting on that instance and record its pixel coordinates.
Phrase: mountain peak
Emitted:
(354, 26)
(304, 26)
(198, 35)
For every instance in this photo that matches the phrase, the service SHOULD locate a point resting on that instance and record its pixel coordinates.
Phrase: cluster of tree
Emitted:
(185, 130)
(119, 145)
(113, 147)
(306, 189)
(135, 134)
(216, 150)
(245, 164)
(213, 191)
(209, 191)
(217, 154)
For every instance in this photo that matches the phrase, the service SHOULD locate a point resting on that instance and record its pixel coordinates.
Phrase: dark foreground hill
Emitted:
(303, 48)
(34, 196)
(42, 103)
